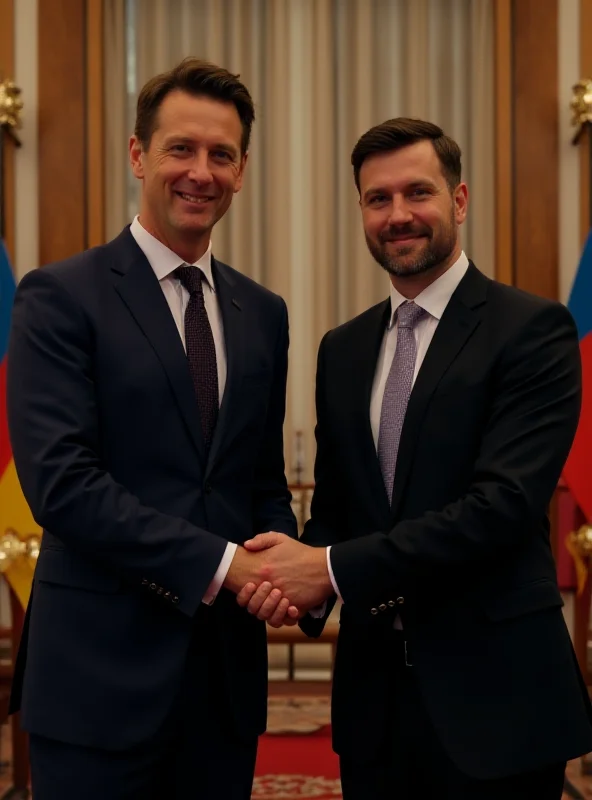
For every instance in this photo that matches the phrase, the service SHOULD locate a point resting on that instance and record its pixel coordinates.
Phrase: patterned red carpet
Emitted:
(299, 766)
(303, 767)
(296, 762)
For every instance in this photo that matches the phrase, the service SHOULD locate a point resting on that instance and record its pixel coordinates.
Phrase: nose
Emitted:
(200, 171)
(400, 213)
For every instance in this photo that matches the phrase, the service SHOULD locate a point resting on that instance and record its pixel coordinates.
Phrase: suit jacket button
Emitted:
(144, 581)
(153, 586)
(167, 595)
(382, 607)
(160, 590)
(374, 611)
(400, 600)
(391, 603)
(208, 488)
(175, 599)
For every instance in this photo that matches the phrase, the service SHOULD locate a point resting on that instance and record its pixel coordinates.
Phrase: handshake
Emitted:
(279, 579)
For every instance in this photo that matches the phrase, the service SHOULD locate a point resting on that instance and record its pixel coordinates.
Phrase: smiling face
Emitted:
(189, 172)
(411, 217)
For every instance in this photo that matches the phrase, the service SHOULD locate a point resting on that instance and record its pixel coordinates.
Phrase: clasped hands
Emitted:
(279, 579)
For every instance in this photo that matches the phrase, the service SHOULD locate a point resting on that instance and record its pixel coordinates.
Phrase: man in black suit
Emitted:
(444, 417)
(146, 395)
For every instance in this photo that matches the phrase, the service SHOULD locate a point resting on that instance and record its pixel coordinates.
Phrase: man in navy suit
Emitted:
(444, 416)
(146, 395)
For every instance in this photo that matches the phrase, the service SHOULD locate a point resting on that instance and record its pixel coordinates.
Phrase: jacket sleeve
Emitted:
(271, 499)
(324, 525)
(55, 435)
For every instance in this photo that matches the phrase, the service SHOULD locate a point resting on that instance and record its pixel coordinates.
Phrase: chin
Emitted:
(192, 225)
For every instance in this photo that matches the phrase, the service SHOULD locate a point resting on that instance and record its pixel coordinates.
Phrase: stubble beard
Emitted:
(435, 252)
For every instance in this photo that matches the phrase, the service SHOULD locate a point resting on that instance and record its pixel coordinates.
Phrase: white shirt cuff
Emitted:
(220, 576)
(331, 575)
(319, 611)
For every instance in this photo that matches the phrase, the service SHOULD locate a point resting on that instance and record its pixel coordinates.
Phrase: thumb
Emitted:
(263, 541)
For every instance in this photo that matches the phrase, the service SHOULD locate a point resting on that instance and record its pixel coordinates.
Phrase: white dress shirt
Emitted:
(164, 263)
(434, 300)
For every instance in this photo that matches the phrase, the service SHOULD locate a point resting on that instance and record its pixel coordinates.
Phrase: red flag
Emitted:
(577, 473)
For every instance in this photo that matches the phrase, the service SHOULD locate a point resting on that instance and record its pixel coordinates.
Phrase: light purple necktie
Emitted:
(397, 391)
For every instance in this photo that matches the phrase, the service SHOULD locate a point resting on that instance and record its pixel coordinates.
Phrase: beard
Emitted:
(438, 246)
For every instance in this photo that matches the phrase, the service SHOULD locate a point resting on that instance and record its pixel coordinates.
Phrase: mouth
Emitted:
(402, 239)
(195, 199)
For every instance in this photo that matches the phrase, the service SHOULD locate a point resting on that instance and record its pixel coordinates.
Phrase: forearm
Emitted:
(271, 499)
(94, 515)
(493, 520)
(437, 546)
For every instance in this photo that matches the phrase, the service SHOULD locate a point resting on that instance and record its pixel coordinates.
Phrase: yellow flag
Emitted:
(16, 515)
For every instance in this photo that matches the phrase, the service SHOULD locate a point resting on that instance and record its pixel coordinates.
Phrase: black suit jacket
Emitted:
(462, 552)
(108, 447)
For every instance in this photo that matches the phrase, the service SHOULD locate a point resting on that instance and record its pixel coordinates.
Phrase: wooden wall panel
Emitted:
(62, 128)
(7, 71)
(536, 146)
(504, 268)
(95, 139)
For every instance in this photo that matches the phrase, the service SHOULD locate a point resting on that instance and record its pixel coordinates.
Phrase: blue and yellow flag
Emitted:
(15, 514)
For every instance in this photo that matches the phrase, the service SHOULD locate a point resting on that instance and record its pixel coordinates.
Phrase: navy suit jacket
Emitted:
(107, 442)
(461, 552)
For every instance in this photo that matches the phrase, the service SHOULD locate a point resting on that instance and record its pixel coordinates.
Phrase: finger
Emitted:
(263, 541)
(245, 594)
(278, 617)
(259, 597)
(293, 616)
(269, 606)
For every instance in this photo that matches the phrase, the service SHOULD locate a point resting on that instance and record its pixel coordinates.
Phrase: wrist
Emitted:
(323, 577)
(245, 567)
(236, 572)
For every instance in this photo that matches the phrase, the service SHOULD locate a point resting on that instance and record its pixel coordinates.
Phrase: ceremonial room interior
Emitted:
(510, 80)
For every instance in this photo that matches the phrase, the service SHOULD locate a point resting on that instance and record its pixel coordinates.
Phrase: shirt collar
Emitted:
(436, 296)
(162, 260)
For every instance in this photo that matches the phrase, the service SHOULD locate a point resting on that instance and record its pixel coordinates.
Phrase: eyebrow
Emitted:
(413, 185)
(229, 148)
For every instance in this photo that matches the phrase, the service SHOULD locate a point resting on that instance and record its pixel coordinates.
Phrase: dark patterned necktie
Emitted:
(201, 351)
(397, 391)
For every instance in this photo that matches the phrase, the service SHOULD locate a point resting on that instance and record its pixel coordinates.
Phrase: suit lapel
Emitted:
(234, 339)
(361, 366)
(461, 317)
(140, 290)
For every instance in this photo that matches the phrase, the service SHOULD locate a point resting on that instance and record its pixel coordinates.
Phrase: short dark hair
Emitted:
(195, 77)
(401, 132)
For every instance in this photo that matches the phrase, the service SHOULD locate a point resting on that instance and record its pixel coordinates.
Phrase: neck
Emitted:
(190, 249)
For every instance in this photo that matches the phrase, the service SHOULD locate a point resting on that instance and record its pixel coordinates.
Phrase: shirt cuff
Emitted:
(220, 576)
(318, 612)
(331, 575)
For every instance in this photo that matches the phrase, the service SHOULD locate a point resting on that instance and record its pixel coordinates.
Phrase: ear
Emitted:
(461, 202)
(135, 156)
(241, 171)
